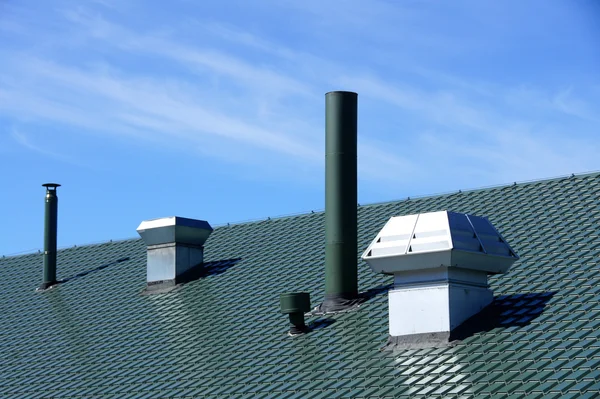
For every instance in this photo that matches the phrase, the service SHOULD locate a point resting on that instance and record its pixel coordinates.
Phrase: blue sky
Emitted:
(215, 109)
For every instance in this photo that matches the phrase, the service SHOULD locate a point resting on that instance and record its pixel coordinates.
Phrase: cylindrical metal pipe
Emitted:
(297, 325)
(341, 280)
(50, 231)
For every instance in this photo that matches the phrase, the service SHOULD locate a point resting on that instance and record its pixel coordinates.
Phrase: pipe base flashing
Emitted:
(298, 329)
(46, 285)
(338, 303)
(419, 341)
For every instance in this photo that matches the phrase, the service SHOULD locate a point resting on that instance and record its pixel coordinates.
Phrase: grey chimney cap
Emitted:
(174, 229)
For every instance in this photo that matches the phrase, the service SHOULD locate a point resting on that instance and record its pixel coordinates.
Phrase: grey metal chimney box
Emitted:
(175, 246)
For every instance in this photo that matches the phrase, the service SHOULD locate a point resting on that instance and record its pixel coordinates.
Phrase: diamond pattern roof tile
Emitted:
(222, 336)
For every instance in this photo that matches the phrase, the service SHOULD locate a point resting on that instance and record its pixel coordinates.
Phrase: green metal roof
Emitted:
(222, 336)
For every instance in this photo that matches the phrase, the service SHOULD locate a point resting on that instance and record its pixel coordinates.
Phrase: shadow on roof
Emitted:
(207, 269)
(218, 267)
(319, 324)
(364, 297)
(376, 291)
(197, 272)
(517, 310)
(85, 273)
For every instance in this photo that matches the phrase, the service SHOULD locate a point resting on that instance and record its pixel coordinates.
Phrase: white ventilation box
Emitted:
(440, 262)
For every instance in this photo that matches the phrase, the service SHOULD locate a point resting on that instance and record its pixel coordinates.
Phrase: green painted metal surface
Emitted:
(223, 336)
(296, 302)
(295, 305)
(340, 197)
(50, 234)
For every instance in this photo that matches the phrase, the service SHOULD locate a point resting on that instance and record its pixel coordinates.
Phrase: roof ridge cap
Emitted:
(302, 214)
(39, 251)
(490, 187)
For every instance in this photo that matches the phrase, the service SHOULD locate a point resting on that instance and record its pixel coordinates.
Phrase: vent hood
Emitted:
(435, 239)
(440, 262)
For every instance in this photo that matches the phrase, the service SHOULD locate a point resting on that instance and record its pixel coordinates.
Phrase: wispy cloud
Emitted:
(452, 95)
(262, 78)
(157, 84)
(482, 138)
(105, 3)
(26, 141)
(166, 108)
(567, 102)
(174, 107)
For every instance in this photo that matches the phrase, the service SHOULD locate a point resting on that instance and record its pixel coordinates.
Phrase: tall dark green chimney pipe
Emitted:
(341, 280)
(50, 228)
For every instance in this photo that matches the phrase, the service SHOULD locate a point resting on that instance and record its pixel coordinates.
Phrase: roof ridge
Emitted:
(306, 213)
(36, 251)
(491, 187)
(224, 334)
(440, 194)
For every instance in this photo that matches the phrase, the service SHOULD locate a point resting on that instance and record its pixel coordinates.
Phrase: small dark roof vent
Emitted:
(295, 305)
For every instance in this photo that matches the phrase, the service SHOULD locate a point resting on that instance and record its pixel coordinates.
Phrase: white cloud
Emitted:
(486, 141)
(264, 79)
(162, 86)
(174, 108)
(168, 109)
(27, 141)
(566, 102)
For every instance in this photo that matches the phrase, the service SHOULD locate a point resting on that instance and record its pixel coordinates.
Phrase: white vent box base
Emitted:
(436, 307)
